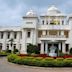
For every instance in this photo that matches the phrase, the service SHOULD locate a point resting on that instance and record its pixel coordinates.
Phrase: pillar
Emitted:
(46, 48)
(18, 41)
(4, 41)
(59, 46)
(42, 48)
(62, 33)
(63, 47)
(24, 46)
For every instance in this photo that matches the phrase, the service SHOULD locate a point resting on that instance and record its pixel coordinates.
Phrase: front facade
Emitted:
(50, 30)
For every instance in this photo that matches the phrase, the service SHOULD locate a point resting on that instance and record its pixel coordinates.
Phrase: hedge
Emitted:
(40, 61)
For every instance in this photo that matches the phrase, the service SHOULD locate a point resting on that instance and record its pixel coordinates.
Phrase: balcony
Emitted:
(53, 37)
(54, 27)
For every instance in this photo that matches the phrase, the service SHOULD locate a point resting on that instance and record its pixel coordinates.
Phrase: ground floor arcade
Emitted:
(48, 47)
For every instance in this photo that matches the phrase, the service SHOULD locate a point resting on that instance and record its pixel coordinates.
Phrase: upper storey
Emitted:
(53, 18)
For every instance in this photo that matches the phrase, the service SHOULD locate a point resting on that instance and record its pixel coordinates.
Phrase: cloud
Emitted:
(11, 11)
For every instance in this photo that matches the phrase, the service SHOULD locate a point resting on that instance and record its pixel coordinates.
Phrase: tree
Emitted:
(32, 49)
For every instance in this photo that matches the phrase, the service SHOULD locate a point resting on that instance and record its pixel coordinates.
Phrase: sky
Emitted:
(12, 11)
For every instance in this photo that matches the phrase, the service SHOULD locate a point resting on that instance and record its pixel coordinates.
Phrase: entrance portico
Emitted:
(46, 45)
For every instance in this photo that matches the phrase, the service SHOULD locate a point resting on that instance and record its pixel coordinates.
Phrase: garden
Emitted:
(40, 61)
(33, 58)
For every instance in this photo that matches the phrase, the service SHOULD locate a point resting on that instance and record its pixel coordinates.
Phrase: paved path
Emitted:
(10, 67)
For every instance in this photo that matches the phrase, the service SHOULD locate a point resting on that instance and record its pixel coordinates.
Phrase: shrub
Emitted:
(8, 51)
(12, 57)
(32, 49)
(37, 61)
(15, 50)
(40, 61)
(68, 62)
(3, 53)
(70, 51)
(61, 54)
(59, 62)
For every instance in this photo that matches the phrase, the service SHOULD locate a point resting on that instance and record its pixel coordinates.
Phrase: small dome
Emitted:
(53, 10)
(30, 13)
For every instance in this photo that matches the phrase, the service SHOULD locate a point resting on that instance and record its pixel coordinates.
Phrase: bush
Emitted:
(3, 53)
(12, 57)
(40, 61)
(68, 62)
(32, 49)
(15, 50)
(61, 54)
(59, 62)
(71, 51)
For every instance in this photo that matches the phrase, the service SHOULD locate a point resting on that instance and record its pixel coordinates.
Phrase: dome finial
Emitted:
(30, 13)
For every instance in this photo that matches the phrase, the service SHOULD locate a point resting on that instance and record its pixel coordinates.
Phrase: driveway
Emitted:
(10, 67)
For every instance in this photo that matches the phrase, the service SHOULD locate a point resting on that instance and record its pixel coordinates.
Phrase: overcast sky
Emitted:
(11, 11)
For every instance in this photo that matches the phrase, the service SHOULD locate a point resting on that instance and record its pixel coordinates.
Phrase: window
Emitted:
(14, 46)
(46, 32)
(7, 46)
(1, 35)
(0, 46)
(15, 35)
(62, 22)
(67, 47)
(8, 35)
(43, 22)
(28, 34)
(47, 22)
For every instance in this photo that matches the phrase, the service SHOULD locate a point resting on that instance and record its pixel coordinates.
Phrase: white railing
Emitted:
(53, 36)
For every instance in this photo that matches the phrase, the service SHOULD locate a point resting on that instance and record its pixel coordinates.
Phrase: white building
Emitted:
(50, 29)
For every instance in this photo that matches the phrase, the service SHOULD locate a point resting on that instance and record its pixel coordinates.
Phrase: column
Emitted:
(42, 48)
(46, 48)
(23, 42)
(18, 41)
(62, 33)
(11, 37)
(34, 36)
(4, 41)
(63, 47)
(59, 46)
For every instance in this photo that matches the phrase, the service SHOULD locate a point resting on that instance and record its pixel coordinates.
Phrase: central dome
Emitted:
(53, 10)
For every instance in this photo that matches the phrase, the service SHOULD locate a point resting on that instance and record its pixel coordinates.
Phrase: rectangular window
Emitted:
(0, 46)
(8, 46)
(43, 22)
(62, 22)
(8, 35)
(67, 47)
(15, 35)
(14, 46)
(2, 35)
(28, 34)
(47, 22)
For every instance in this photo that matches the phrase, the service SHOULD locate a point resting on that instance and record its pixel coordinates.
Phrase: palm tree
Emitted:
(11, 43)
